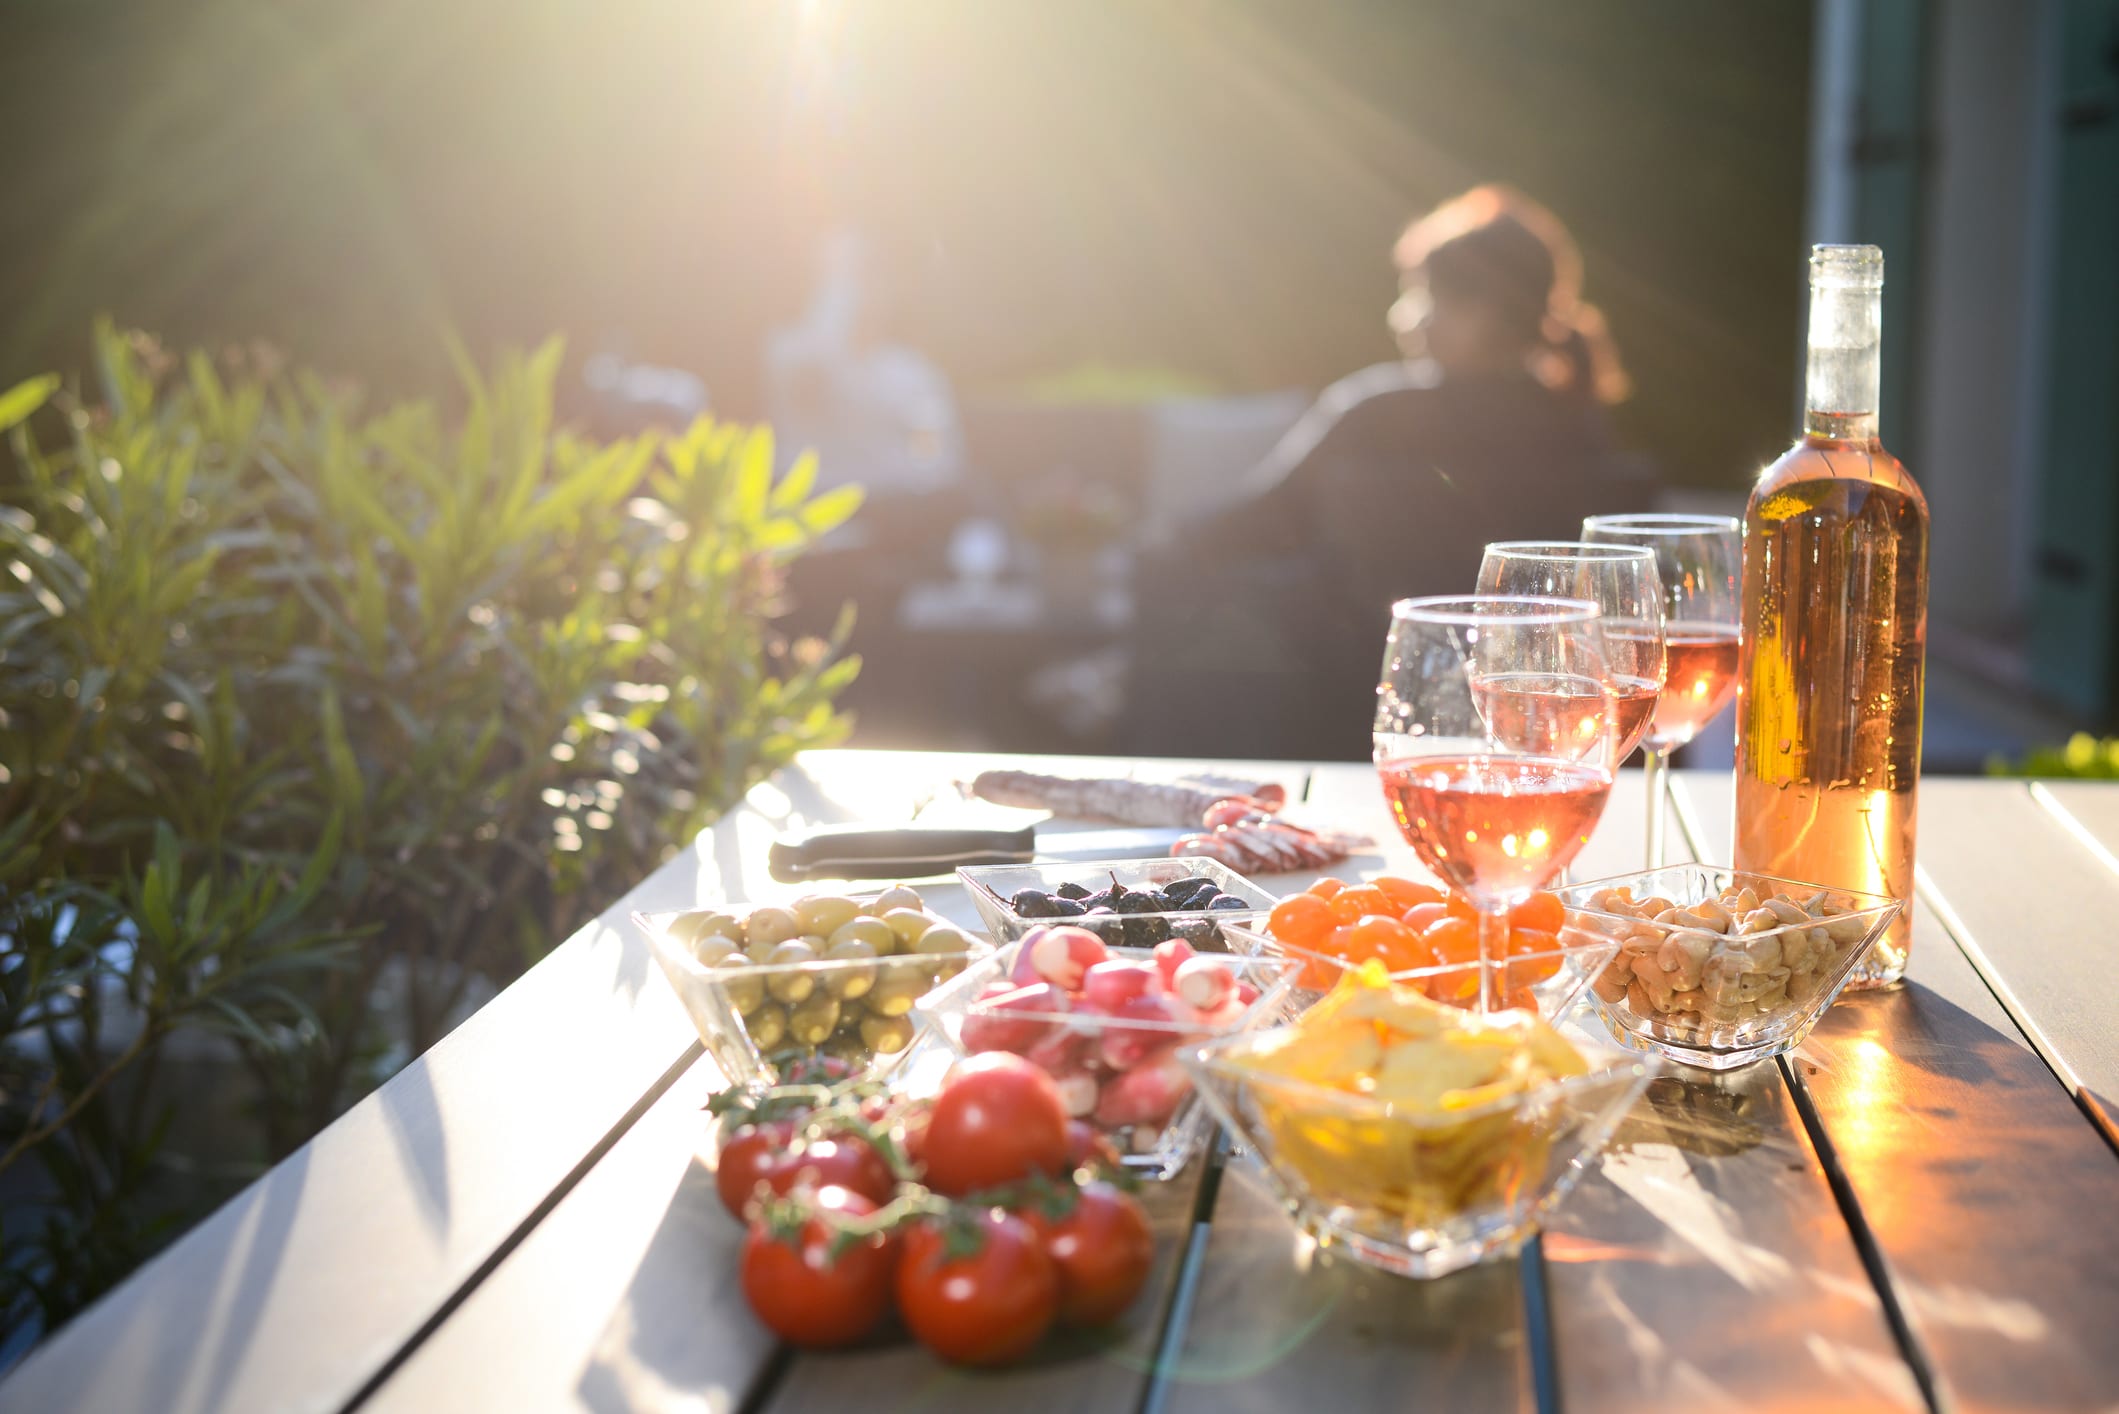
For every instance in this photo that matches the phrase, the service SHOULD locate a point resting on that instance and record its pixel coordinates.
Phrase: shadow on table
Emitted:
(681, 1339)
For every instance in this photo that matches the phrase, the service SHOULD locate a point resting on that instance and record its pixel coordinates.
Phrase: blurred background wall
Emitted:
(1206, 187)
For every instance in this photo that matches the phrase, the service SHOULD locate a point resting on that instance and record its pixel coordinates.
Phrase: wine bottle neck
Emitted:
(1846, 343)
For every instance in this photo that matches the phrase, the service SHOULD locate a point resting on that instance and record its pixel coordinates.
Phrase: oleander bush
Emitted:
(2081, 757)
(319, 719)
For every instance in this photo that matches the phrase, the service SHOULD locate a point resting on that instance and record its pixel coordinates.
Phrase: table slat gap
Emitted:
(1184, 1291)
(1538, 1344)
(1874, 1262)
(692, 1055)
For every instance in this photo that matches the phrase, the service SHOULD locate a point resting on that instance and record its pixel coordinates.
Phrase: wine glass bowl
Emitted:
(1622, 581)
(1699, 563)
(1495, 743)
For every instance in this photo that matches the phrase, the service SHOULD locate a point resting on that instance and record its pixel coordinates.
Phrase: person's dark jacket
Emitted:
(1388, 488)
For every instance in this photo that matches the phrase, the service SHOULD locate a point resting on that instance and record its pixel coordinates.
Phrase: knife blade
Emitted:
(894, 852)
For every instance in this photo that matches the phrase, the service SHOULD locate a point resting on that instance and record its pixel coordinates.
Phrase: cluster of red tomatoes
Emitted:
(983, 1216)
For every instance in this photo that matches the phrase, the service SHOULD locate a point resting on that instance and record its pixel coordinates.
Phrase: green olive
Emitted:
(895, 994)
(813, 1021)
(850, 981)
(745, 994)
(847, 1045)
(767, 1027)
(872, 931)
(707, 925)
(713, 947)
(822, 913)
(772, 925)
(886, 1035)
(899, 897)
(909, 924)
(943, 938)
(792, 984)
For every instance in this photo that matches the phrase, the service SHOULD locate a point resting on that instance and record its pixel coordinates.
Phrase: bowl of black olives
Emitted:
(1131, 903)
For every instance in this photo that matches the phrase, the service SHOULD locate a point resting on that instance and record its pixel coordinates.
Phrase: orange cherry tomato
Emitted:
(1404, 893)
(1357, 901)
(1422, 916)
(1542, 911)
(1532, 957)
(1300, 920)
(1461, 906)
(1454, 942)
(1380, 936)
(1325, 888)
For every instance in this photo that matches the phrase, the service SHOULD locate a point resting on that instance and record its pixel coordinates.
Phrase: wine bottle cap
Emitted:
(1846, 267)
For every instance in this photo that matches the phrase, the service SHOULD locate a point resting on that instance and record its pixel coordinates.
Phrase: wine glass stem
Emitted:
(1655, 768)
(1493, 947)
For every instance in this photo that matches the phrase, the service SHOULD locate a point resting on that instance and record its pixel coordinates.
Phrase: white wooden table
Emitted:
(1920, 1208)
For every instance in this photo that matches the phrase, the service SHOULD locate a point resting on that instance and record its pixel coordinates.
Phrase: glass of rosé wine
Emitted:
(1700, 562)
(1621, 580)
(1496, 739)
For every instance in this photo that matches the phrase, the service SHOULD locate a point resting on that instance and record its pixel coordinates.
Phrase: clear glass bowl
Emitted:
(1547, 982)
(745, 1014)
(992, 886)
(1155, 1123)
(1712, 999)
(1418, 1193)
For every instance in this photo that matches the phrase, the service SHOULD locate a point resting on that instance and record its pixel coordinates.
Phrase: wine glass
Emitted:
(1620, 580)
(1699, 559)
(1496, 741)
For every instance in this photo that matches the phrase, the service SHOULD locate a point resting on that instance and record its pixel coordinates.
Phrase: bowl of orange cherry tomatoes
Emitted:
(1426, 936)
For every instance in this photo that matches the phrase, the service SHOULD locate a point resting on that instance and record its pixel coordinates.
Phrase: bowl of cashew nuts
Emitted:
(1717, 968)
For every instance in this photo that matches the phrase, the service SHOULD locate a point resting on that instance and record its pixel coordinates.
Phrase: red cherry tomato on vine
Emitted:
(983, 1293)
(747, 1158)
(804, 1291)
(1104, 1250)
(998, 1118)
(841, 1160)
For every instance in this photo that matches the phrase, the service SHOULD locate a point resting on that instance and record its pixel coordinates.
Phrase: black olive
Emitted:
(1226, 901)
(1138, 903)
(1202, 935)
(1066, 908)
(1180, 893)
(1203, 897)
(1032, 903)
(1071, 891)
(1102, 899)
(1112, 931)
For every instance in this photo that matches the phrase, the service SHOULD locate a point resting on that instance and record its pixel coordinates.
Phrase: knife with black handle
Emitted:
(900, 852)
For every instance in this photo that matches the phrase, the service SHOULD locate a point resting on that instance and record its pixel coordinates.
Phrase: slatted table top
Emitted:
(1918, 1208)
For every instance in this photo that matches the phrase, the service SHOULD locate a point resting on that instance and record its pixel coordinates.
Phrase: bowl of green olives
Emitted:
(829, 974)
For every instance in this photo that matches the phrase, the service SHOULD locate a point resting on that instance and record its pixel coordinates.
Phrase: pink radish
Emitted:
(1122, 1047)
(1171, 955)
(1079, 1093)
(1021, 972)
(1110, 985)
(1246, 992)
(1061, 1052)
(1204, 983)
(1147, 1094)
(1064, 954)
(1000, 1025)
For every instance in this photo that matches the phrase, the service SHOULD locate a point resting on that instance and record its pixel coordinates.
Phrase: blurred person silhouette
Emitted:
(875, 410)
(1491, 427)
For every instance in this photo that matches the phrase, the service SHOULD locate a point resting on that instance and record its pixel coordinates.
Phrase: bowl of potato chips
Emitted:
(1410, 1134)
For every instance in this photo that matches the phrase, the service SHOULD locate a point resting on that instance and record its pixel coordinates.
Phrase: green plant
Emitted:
(317, 719)
(2083, 756)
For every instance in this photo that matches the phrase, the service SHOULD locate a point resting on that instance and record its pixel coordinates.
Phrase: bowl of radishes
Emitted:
(1106, 1023)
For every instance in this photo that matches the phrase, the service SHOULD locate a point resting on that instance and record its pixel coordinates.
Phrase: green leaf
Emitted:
(831, 510)
(796, 485)
(347, 787)
(18, 402)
